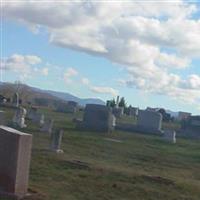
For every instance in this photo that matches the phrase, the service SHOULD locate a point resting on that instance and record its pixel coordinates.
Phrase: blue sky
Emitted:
(102, 58)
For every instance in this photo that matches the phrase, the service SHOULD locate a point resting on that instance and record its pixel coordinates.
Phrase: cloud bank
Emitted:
(25, 66)
(155, 42)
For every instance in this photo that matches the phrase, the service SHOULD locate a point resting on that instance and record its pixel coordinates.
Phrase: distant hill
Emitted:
(69, 97)
(29, 93)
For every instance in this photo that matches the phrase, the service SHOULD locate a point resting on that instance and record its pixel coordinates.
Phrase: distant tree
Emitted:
(111, 103)
(122, 102)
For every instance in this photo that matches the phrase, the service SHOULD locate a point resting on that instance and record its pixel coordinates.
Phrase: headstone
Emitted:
(149, 121)
(39, 119)
(183, 116)
(113, 121)
(3, 99)
(2, 117)
(72, 107)
(47, 126)
(170, 136)
(67, 107)
(97, 118)
(191, 127)
(117, 102)
(118, 111)
(19, 117)
(32, 113)
(15, 155)
(132, 111)
(15, 100)
(56, 140)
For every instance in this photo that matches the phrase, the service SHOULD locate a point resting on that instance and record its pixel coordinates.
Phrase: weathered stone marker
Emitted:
(15, 100)
(19, 117)
(170, 136)
(97, 118)
(191, 127)
(149, 121)
(118, 111)
(47, 126)
(38, 119)
(56, 140)
(32, 112)
(132, 111)
(67, 107)
(15, 155)
(1, 117)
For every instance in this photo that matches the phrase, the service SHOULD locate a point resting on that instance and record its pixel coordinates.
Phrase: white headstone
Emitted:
(47, 126)
(19, 117)
(56, 140)
(170, 135)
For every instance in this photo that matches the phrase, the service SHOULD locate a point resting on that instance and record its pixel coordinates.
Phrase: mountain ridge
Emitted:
(13, 87)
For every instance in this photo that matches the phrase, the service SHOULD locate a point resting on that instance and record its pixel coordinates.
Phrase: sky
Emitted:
(146, 51)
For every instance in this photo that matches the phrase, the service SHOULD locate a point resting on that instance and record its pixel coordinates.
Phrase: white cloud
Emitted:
(154, 41)
(45, 71)
(24, 66)
(20, 63)
(99, 89)
(69, 73)
(193, 82)
(85, 81)
(104, 90)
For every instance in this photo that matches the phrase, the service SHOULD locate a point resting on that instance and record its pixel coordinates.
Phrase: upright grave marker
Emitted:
(15, 100)
(15, 155)
(2, 117)
(56, 140)
(97, 118)
(149, 121)
(191, 127)
(47, 126)
(170, 136)
(19, 117)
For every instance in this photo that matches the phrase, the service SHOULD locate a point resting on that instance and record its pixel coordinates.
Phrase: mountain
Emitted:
(29, 93)
(69, 97)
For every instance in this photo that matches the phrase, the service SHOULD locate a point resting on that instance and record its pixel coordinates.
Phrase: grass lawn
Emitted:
(139, 167)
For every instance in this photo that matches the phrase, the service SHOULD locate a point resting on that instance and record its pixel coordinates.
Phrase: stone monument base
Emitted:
(58, 150)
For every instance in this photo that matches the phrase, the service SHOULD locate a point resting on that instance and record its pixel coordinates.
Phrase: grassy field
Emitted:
(138, 167)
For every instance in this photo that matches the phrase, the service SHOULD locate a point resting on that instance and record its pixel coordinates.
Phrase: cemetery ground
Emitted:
(139, 167)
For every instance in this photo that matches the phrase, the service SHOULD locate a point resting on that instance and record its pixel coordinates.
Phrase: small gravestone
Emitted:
(3, 99)
(183, 116)
(47, 126)
(97, 118)
(19, 117)
(15, 100)
(39, 119)
(118, 112)
(67, 107)
(56, 140)
(15, 155)
(113, 121)
(170, 136)
(32, 112)
(132, 111)
(149, 121)
(72, 107)
(2, 117)
(190, 127)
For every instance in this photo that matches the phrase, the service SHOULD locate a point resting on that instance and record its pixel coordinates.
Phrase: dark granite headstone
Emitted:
(97, 118)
